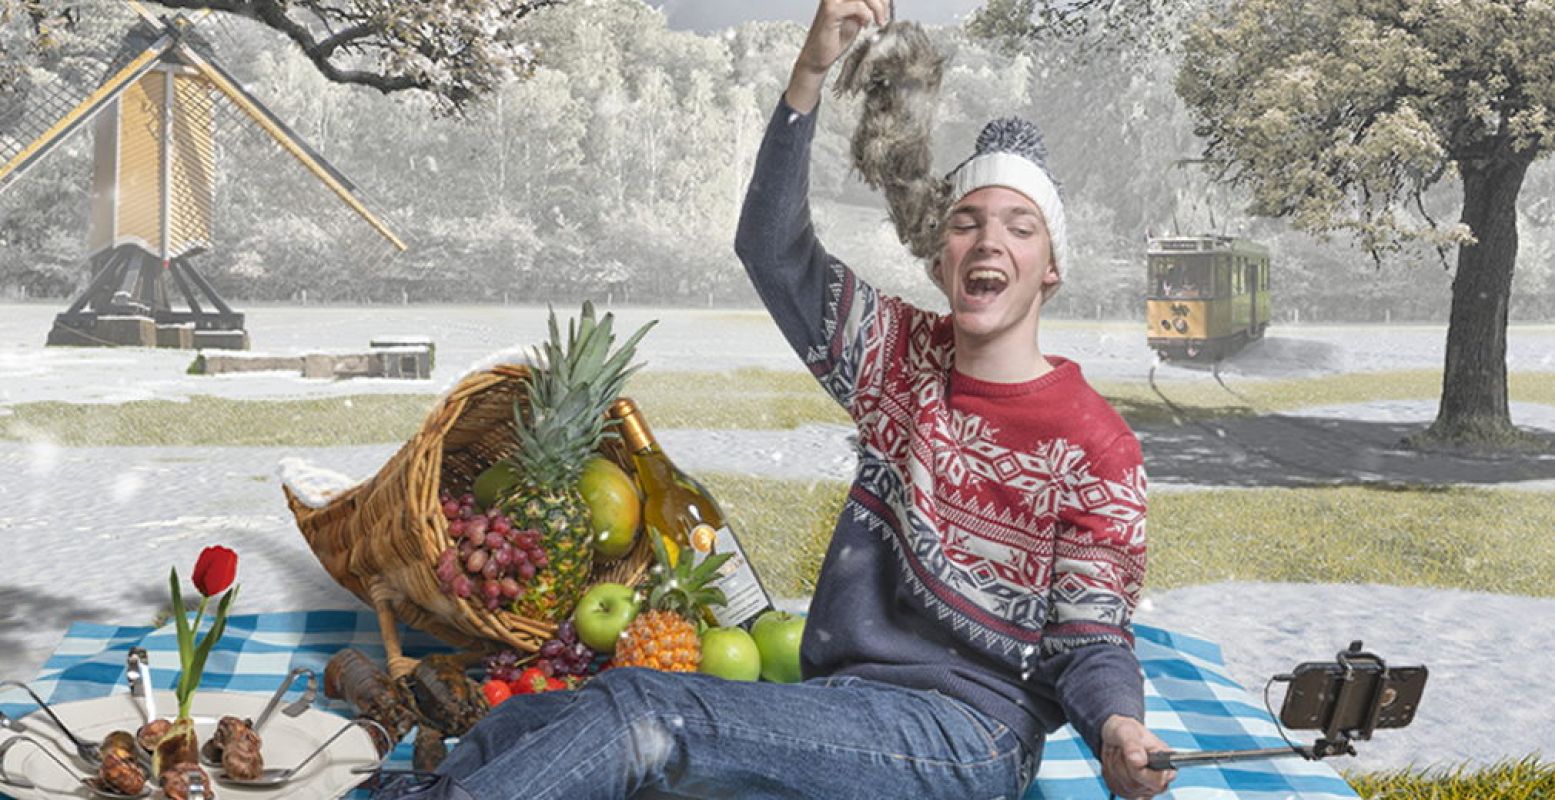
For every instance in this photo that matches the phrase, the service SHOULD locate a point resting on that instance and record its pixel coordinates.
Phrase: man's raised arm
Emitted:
(776, 240)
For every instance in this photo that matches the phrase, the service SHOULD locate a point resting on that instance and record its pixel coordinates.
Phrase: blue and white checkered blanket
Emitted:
(1191, 702)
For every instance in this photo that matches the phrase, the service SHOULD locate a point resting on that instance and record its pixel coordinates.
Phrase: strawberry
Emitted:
(496, 692)
(530, 681)
(552, 684)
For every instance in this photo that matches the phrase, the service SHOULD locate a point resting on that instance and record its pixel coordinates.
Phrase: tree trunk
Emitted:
(1473, 410)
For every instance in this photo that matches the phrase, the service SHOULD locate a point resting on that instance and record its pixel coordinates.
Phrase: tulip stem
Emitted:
(189, 676)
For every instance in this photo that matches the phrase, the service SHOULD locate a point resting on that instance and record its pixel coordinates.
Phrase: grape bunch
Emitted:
(565, 655)
(503, 665)
(489, 562)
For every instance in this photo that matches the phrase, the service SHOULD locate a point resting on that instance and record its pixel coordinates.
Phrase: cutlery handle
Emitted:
(45, 706)
(138, 671)
(307, 696)
(23, 783)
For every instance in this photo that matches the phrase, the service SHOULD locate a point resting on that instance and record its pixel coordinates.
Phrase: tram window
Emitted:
(1184, 280)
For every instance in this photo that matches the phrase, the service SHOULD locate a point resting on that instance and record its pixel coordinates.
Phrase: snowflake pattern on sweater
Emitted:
(1015, 540)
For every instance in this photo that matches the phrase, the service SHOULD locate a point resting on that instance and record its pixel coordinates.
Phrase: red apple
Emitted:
(777, 635)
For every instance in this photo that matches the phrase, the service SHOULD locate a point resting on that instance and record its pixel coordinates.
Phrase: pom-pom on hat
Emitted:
(1010, 153)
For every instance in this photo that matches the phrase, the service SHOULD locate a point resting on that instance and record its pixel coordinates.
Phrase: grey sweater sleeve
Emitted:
(776, 240)
(1093, 683)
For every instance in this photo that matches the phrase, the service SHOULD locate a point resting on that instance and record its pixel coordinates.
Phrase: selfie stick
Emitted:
(1335, 742)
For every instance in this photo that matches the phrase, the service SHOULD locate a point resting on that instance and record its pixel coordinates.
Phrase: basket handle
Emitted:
(388, 625)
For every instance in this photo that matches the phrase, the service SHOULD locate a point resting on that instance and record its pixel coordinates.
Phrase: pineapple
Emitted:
(666, 636)
(568, 391)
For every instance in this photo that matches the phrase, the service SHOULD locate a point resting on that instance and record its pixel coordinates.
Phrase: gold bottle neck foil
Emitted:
(633, 429)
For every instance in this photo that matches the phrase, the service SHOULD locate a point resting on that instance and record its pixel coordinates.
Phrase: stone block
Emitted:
(221, 340)
(179, 336)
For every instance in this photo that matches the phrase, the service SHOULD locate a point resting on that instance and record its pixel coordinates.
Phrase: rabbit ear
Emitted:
(848, 81)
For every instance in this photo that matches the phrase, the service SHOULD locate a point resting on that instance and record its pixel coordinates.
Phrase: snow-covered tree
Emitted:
(1340, 116)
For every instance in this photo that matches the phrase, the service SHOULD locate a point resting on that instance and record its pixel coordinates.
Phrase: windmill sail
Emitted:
(19, 151)
(288, 140)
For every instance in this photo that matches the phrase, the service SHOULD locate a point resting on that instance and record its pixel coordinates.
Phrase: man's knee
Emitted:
(648, 704)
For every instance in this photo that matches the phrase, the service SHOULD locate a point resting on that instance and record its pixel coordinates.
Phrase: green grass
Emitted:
(1470, 539)
(784, 526)
(212, 421)
(752, 398)
(747, 398)
(1523, 779)
(1474, 539)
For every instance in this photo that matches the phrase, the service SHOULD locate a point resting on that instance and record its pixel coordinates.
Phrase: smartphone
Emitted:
(1312, 702)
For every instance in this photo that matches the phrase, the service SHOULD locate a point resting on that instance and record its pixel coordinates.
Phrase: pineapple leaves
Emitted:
(685, 587)
(568, 395)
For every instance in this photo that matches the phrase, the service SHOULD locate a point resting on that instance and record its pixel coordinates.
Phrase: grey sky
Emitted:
(708, 15)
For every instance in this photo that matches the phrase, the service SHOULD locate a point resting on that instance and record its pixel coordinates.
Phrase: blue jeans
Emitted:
(638, 732)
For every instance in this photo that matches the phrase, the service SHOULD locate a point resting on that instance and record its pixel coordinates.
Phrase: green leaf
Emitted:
(705, 571)
(179, 616)
(713, 597)
(218, 627)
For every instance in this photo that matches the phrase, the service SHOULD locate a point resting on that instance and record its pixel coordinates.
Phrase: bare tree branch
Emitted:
(456, 52)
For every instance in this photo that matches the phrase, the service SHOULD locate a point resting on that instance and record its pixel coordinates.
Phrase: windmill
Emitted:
(153, 187)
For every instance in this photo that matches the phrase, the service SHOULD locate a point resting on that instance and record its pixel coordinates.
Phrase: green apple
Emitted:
(603, 613)
(777, 635)
(730, 653)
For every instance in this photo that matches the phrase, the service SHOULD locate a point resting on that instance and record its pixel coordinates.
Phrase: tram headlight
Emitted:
(1181, 325)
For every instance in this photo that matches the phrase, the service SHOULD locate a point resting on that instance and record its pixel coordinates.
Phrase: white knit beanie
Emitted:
(1010, 153)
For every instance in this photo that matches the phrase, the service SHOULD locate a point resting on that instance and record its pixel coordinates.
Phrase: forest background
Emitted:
(616, 170)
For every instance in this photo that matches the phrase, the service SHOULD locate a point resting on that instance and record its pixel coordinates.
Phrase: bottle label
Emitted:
(736, 577)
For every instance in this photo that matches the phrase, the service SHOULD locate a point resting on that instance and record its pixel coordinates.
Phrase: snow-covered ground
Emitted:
(712, 340)
(106, 560)
(90, 532)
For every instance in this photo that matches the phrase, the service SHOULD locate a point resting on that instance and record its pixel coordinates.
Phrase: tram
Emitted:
(1208, 296)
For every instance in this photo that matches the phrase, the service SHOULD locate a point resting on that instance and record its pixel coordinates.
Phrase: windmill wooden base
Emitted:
(128, 304)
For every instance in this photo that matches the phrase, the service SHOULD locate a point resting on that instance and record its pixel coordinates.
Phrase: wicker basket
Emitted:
(381, 539)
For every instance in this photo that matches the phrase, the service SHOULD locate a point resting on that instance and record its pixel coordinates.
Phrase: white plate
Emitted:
(286, 742)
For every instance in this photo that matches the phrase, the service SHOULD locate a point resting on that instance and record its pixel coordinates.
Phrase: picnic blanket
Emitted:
(1191, 702)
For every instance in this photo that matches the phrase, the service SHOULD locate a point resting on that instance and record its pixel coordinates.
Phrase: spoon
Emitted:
(293, 710)
(275, 776)
(14, 725)
(90, 752)
(93, 783)
(196, 785)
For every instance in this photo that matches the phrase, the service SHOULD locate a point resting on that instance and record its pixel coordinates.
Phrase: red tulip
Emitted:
(214, 572)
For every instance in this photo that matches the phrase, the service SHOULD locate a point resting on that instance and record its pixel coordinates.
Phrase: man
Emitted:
(977, 589)
(993, 545)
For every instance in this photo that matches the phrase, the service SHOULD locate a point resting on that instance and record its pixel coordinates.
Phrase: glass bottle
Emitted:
(687, 516)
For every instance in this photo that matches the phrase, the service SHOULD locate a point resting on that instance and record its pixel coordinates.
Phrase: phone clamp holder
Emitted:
(1335, 741)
